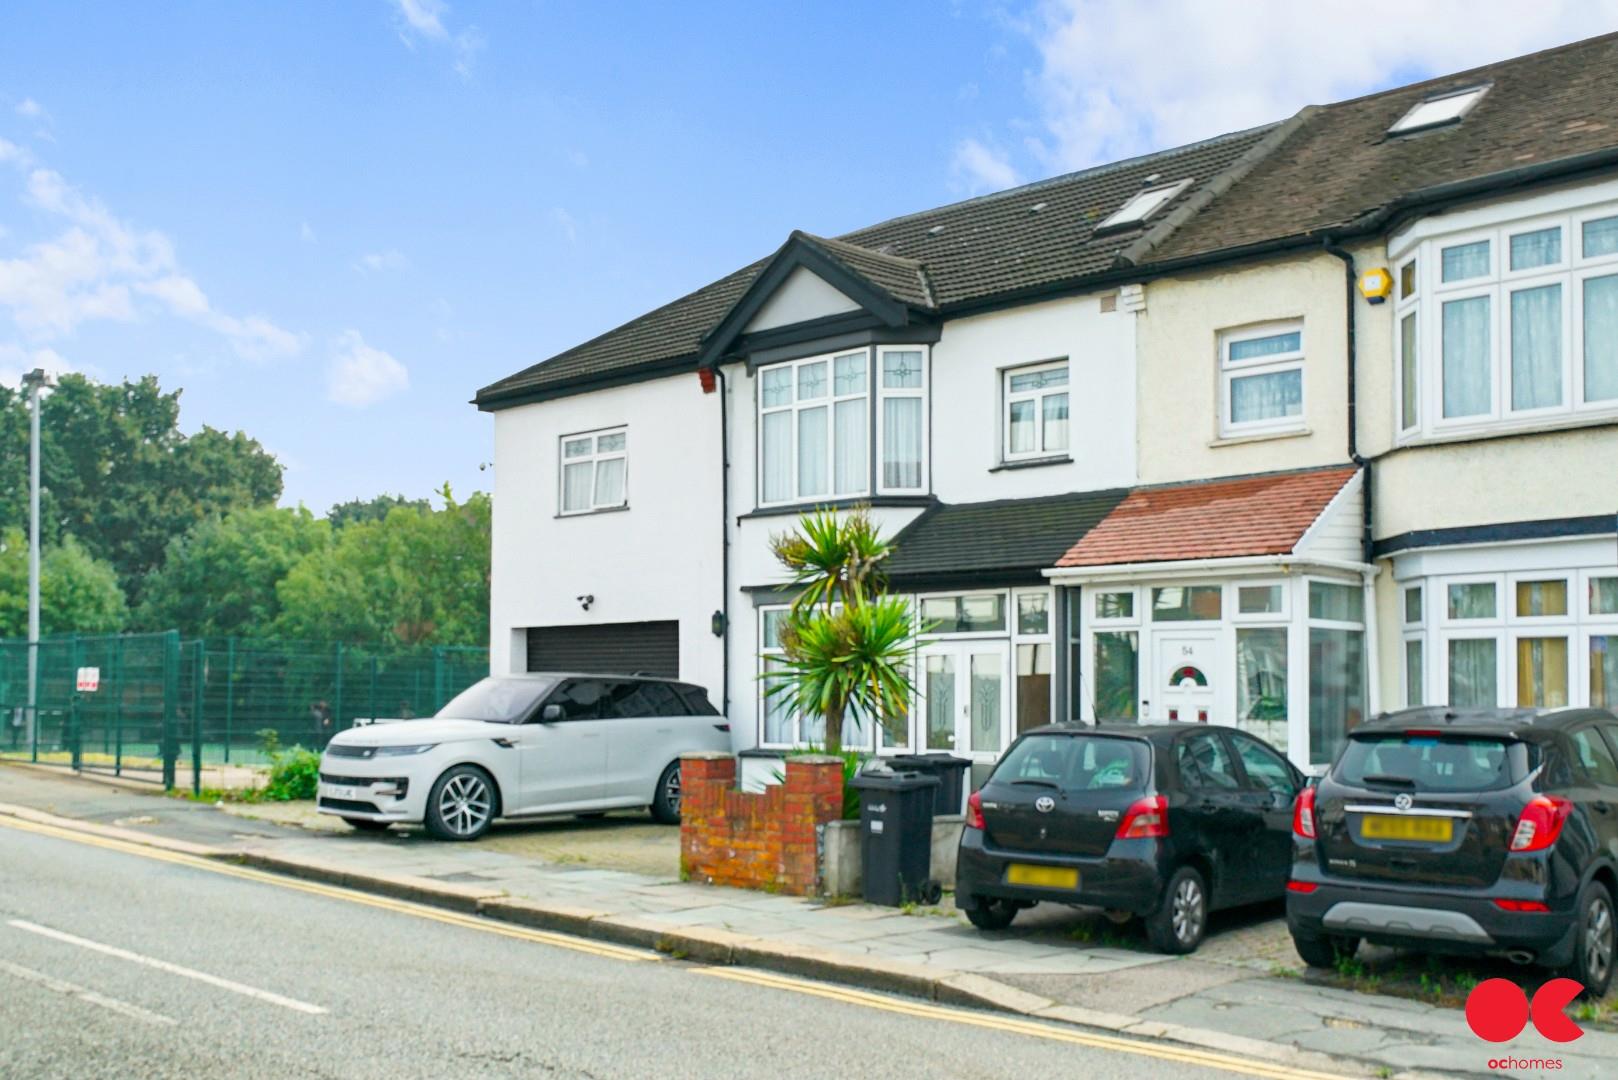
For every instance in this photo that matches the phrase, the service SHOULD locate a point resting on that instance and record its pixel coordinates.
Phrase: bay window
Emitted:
(1507, 325)
(1337, 678)
(1261, 379)
(815, 426)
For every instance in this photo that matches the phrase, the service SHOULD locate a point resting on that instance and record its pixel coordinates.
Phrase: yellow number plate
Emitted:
(1390, 827)
(1049, 877)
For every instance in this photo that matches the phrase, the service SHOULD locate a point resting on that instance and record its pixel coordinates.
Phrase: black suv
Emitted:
(1491, 832)
(1166, 821)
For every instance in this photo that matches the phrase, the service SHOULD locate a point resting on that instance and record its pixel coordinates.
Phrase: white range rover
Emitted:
(520, 745)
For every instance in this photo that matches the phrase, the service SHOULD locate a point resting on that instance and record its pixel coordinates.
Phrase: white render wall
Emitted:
(658, 559)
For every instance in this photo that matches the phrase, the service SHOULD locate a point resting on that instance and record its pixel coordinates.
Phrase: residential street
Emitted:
(371, 992)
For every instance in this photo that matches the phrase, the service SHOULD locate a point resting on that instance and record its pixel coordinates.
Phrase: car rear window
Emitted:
(1432, 762)
(1077, 762)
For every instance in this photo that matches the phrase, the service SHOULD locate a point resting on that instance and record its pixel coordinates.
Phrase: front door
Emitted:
(1186, 663)
(965, 695)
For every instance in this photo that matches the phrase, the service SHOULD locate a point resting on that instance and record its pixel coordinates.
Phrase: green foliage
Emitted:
(119, 475)
(375, 509)
(220, 579)
(834, 558)
(416, 577)
(77, 592)
(294, 774)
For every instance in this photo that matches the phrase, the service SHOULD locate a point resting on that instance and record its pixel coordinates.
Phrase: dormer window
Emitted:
(1435, 111)
(1143, 205)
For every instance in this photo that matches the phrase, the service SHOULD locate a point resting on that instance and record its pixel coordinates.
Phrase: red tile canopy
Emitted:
(1217, 519)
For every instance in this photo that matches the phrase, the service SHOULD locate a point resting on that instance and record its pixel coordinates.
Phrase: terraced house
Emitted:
(1277, 429)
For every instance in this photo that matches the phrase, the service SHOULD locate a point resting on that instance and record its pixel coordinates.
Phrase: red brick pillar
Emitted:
(814, 796)
(704, 779)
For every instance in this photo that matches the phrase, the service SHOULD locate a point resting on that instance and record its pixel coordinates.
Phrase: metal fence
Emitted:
(163, 708)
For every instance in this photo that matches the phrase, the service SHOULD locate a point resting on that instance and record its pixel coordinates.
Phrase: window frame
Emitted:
(1248, 618)
(877, 440)
(796, 407)
(1474, 95)
(1121, 218)
(1232, 370)
(1008, 397)
(593, 459)
(1093, 594)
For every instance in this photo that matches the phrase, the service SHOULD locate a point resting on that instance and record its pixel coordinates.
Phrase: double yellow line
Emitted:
(901, 1006)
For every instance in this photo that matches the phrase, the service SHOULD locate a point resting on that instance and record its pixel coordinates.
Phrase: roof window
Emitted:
(1445, 109)
(1143, 204)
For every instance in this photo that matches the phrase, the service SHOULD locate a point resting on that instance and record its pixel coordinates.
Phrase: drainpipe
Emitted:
(1352, 277)
(724, 537)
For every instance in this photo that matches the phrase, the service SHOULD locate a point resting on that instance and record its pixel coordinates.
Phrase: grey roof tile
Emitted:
(1001, 537)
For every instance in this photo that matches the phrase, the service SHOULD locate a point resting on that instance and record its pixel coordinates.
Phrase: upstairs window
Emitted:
(1261, 379)
(595, 468)
(1436, 111)
(1036, 411)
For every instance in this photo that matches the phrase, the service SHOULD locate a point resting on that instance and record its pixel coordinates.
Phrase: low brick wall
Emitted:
(765, 841)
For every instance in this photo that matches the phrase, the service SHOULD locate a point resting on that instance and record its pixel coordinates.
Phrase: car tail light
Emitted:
(1303, 814)
(1146, 819)
(1541, 823)
(1533, 907)
(1301, 886)
(974, 811)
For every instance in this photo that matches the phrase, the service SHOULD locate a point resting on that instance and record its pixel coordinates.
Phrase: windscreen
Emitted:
(1077, 762)
(498, 701)
(1435, 763)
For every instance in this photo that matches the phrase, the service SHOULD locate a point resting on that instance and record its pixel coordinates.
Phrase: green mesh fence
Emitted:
(164, 707)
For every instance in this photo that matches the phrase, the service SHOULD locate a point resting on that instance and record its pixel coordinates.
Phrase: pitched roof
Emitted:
(1036, 235)
(1341, 164)
(1004, 537)
(1250, 515)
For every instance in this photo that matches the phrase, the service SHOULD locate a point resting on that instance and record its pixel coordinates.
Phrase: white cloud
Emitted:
(99, 266)
(360, 374)
(982, 167)
(1118, 79)
(16, 361)
(306, 233)
(30, 109)
(424, 20)
(425, 17)
(374, 262)
(566, 223)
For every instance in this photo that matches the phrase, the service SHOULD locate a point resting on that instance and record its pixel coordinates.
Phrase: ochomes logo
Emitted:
(1497, 1010)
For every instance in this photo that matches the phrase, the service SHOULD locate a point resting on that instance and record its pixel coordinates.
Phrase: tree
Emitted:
(844, 645)
(374, 509)
(77, 592)
(119, 475)
(417, 577)
(220, 579)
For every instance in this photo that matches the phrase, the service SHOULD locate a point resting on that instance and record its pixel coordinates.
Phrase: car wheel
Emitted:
(992, 914)
(666, 799)
(1593, 951)
(1180, 921)
(461, 805)
(1325, 952)
(365, 824)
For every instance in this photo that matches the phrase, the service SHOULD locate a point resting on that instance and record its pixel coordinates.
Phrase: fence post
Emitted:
(230, 691)
(198, 674)
(171, 703)
(118, 706)
(337, 710)
(371, 694)
(74, 738)
(438, 678)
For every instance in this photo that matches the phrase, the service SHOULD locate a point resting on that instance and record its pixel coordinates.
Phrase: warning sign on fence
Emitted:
(89, 680)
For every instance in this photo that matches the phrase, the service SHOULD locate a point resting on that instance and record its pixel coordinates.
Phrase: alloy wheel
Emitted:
(464, 804)
(1598, 939)
(671, 790)
(1188, 913)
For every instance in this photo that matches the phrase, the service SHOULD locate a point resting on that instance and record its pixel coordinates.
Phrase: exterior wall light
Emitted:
(717, 624)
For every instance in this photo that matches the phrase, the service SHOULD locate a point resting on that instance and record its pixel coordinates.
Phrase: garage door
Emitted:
(652, 648)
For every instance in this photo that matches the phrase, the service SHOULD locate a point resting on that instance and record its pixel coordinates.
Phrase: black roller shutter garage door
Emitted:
(650, 648)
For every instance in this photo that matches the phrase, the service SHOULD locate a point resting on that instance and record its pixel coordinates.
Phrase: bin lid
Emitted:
(925, 761)
(892, 781)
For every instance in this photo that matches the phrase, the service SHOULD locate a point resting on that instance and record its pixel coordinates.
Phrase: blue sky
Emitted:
(331, 222)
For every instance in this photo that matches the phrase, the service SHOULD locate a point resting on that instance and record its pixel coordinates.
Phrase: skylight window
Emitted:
(1143, 205)
(1446, 109)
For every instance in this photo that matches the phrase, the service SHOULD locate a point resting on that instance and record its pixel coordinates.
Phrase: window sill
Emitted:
(1033, 463)
(797, 509)
(1507, 429)
(1260, 436)
(593, 513)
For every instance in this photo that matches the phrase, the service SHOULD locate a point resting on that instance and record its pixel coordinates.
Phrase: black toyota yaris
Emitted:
(1165, 821)
(1485, 831)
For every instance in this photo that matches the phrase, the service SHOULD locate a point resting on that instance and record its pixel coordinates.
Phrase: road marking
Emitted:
(1165, 1052)
(334, 892)
(124, 1008)
(172, 969)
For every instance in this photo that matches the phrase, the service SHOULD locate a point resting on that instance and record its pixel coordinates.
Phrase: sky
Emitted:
(330, 223)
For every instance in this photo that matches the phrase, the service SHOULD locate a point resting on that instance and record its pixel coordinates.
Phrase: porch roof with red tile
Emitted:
(1214, 519)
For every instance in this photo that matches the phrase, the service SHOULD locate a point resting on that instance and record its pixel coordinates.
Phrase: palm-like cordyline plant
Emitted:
(834, 560)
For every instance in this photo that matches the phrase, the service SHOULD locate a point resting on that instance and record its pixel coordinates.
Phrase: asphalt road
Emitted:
(115, 963)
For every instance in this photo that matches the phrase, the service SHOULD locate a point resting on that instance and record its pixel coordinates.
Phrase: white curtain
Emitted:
(1056, 422)
(1600, 237)
(1464, 261)
(849, 446)
(1536, 346)
(610, 482)
(812, 452)
(1022, 426)
(777, 456)
(1472, 600)
(1543, 247)
(901, 442)
(1266, 397)
(1472, 682)
(1415, 675)
(576, 481)
(1409, 399)
(1466, 357)
(1601, 335)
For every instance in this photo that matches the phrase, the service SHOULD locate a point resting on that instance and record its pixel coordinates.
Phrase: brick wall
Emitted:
(763, 841)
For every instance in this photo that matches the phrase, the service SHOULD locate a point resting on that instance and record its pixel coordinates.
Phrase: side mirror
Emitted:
(550, 714)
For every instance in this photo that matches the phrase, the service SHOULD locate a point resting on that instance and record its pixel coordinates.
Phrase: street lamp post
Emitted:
(34, 381)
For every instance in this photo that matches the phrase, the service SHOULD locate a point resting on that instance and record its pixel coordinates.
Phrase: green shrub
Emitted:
(294, 774)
